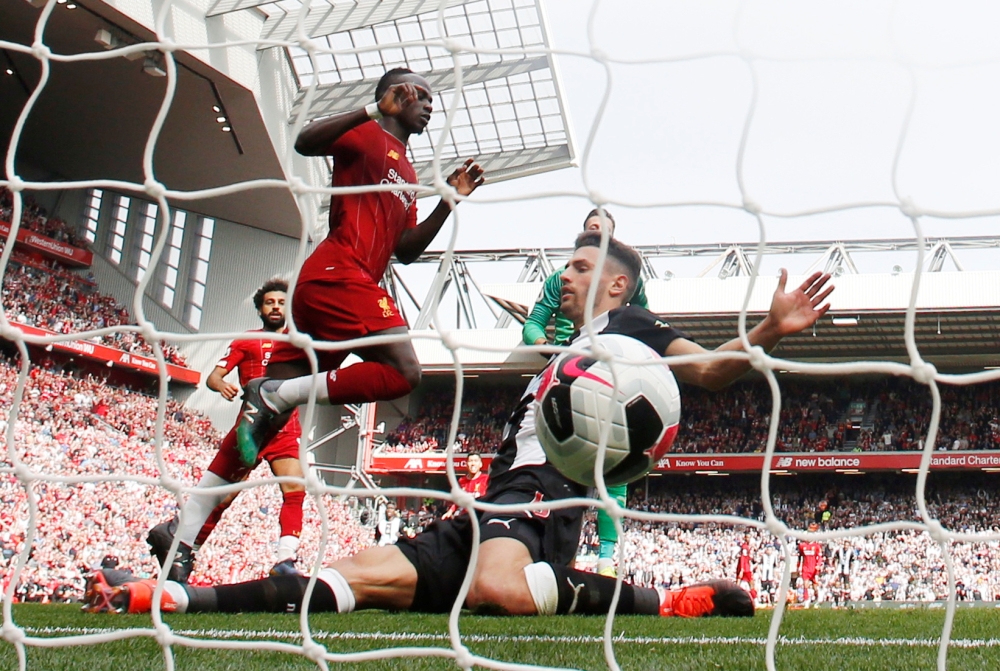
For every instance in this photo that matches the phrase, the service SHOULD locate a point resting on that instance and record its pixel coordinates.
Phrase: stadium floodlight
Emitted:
(153, 66)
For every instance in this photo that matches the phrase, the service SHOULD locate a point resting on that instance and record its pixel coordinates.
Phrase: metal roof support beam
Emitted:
(326, 18)
(941, 252)
(423, 320)
(734, 262)
(345, 96)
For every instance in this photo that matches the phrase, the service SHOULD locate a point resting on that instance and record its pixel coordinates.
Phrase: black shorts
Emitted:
(441, 553)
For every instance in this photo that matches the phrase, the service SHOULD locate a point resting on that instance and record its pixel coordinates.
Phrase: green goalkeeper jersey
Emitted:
(548, 305)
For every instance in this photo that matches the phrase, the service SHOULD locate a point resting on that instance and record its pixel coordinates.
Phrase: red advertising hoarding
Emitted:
(62, 252)
(115, 357)
(434, 462)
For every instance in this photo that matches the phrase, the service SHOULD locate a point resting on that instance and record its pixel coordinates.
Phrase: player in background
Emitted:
(337, 295)
(389, 523)
(744, 568)
(475, 481)
(545, 309)
(844, 557)
(202, 510)
(810, 559)
(768, 573)
(525, 557)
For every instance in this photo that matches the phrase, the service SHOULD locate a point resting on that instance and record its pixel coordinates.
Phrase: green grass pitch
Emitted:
(815, 640)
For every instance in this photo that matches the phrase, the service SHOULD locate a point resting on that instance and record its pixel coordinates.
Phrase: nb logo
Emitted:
(249, 413)
(784, 462)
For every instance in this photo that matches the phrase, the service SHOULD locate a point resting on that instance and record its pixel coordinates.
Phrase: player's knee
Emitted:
(412, 374)
(485, 597)
(498, 597)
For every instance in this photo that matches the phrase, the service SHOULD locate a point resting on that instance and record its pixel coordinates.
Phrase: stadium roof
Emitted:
(510, 116)
(957, 313)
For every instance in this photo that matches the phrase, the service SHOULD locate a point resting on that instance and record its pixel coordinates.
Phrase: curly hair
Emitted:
(273, 284)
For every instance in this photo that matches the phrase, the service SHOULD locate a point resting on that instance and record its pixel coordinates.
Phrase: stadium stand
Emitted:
(35, 218)
(880, 414)
(44, 295)
(890, 566)
(71, 426)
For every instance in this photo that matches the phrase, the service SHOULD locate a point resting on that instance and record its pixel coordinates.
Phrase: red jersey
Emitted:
(364, 227)
(810, 555)
(743, 566)
(475, 486)
(249, 356)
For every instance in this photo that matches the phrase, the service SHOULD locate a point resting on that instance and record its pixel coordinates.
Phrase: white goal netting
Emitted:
(907, 94)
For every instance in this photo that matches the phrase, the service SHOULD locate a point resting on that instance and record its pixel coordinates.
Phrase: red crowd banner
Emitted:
(420, 462)
(434, 462)
(67, 254)
(115, 357)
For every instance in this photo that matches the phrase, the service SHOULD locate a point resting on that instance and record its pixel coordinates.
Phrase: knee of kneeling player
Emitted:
(498, 597)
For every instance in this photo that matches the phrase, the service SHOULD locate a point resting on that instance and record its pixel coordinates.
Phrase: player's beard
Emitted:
(270, 326)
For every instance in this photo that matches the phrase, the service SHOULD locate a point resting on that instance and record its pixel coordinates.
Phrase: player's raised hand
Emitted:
(467, 178)
(793, 311)
(400, 96)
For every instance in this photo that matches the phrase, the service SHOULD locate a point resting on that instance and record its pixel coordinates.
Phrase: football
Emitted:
(577, 394)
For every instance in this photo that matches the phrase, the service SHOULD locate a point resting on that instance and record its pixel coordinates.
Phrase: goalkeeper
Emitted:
(533, 333)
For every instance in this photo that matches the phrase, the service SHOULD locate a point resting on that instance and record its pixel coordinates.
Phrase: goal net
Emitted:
(751, 120)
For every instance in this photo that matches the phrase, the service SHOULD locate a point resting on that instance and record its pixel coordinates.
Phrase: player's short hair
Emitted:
(596, 213)
(626, 257)
(271, 285)
(388, 79)
(473, 454)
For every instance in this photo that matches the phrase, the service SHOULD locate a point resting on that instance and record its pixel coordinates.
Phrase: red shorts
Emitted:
(809, 575)
(348, 308)
(285, 445)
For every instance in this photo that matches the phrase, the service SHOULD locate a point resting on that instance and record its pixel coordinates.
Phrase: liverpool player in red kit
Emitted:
(475, 481)
(810, 557)
(338, 296)
(744, 569)
(202, 510)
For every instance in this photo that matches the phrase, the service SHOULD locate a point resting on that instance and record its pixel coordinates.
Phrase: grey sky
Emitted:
(833, 92)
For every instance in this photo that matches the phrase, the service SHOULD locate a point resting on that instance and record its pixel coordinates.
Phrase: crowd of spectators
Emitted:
(67, 426)
(816, 416)
(899, 565)
(484, 412)
(64, 302)
(35, 218)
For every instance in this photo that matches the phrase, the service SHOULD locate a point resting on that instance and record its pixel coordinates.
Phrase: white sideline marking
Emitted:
(493, 638)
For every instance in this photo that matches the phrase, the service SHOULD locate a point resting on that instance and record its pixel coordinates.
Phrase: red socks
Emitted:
(290, 518)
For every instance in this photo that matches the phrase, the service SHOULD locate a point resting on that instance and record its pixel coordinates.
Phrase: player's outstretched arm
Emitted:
(216, 382)
(547, 305)
(790, 312)
(316, 138)
(466, 179)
